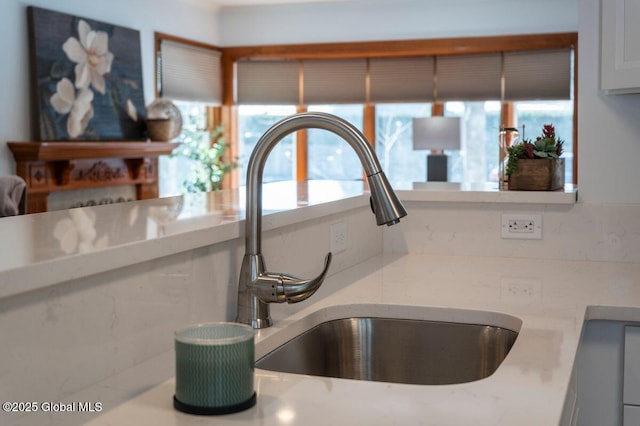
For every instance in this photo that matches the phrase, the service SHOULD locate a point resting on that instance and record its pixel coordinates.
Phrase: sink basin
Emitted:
(394, 350)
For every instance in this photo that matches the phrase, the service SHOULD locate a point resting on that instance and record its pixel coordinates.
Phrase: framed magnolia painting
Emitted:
(86, 79)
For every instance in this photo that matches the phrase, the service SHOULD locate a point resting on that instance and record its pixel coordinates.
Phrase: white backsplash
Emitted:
(597, 232)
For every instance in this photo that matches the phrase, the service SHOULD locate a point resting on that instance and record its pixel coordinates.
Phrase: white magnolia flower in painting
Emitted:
(131, 110)
(78, 106)
(91, 55)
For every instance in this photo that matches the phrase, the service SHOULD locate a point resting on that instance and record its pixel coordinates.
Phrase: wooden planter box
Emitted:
(538, 175)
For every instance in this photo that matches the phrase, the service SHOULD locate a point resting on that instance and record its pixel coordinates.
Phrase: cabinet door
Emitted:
(631, 388)
(620, 46)
(631, 416)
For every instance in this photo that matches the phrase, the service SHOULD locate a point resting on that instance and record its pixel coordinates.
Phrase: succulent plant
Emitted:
(544, 147)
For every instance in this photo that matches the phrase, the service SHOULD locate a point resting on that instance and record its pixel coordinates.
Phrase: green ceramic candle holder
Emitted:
(214, 368)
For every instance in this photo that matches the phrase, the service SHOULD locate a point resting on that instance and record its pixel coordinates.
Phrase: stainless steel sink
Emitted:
(394, 350)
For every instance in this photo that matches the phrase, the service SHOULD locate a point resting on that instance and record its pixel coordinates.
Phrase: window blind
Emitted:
(336, 81)
(401, 79)
(264, 82)
(190, 73)
(468, 77)
(531, 75)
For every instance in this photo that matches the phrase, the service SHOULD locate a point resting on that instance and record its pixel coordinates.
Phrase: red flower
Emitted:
(548, 131)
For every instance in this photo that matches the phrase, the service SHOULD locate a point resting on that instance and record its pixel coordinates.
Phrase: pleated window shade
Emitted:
(469, 77)
(268, 82)
(401, 79)
(336, 81)
(532, 75)
(190, 73)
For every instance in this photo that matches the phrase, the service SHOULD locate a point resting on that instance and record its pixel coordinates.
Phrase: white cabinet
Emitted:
(620, 46)
(631, 381)
(631, 389)
(599, 374)
(631, 416)
(608, 374)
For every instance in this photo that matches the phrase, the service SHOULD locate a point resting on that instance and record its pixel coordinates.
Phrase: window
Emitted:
(477, 159)
(559, 113)
(189, 71)
(330, 156)
(190, 74)
(394, 144)
(175, 170)
(400, 80)
(253, 121)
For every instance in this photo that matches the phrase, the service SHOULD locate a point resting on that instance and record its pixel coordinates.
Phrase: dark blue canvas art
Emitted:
(86, 78)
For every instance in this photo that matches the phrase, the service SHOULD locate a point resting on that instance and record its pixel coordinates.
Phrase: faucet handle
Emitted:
(297, 290)
(275, 287)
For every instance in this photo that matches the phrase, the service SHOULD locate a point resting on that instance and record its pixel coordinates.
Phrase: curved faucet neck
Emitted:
(275, 134)
(257, 287)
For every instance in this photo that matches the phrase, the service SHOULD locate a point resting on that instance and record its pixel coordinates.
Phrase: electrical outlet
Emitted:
(522, 226)
(338, 237)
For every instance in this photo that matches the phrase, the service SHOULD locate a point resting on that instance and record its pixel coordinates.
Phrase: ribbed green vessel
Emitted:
(214, 366)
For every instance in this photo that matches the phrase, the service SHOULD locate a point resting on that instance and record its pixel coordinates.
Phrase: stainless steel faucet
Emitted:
(257, 287)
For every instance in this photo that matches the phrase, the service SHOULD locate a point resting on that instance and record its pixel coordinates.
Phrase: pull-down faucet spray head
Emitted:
(384, 202)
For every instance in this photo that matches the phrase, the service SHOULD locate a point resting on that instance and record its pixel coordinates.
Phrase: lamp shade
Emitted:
(438, 133)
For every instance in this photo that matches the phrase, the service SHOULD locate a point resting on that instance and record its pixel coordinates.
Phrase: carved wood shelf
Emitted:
(61, 166)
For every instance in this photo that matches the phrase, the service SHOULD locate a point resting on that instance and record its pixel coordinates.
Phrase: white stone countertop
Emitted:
(39, 250)
(484, 193)
(545, 301)
(43, 249)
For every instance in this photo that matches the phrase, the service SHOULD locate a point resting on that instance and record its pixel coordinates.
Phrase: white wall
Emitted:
(608, 125)
(192, 19)
(360, 20)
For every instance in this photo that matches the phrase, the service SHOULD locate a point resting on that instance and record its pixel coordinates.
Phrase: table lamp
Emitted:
(436, 134)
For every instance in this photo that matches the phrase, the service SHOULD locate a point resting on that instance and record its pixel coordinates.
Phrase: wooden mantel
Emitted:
(61, 166)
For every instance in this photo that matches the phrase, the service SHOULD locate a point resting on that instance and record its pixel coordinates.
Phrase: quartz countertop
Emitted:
(546, 305)
(43, 249)
(469, 192)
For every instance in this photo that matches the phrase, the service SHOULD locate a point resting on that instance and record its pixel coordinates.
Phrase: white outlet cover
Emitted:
(536, 219)
(338, 237)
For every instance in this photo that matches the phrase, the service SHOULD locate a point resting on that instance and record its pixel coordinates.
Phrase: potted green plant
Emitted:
(210, 165)
(536, 165)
